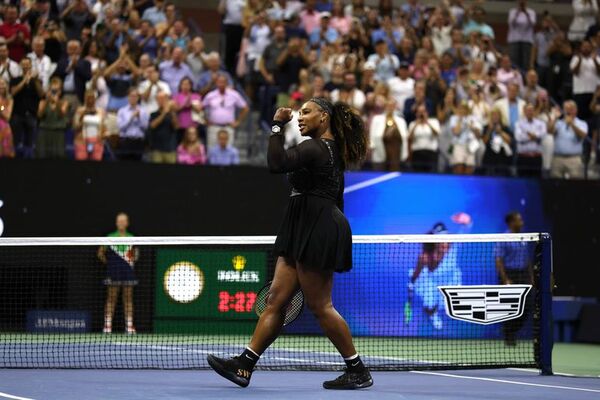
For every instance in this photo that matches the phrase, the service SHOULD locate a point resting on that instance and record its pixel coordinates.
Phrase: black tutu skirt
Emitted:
(315, 233)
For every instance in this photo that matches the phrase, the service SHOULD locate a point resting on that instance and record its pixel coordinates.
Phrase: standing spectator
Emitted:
(310, 18)
(389, 139)
(477, 24)
(585, 67)
(220, 106)
(402, 87)
(339, 20)
(507, 73)
(196, 58)
(88, 123)
(16, 33)
(447, 70)
(529, 133)
(54, 39)
(267, 65)
(120, 76)
(174, 70)
(155, 14)
(162, 134)
(498, 139)
(531, 90)
(223, 153)
(441, 31)
(41, 63)
(76, 16)
(281, 10)
(486, 52)
(191, 150)
(37, 14)
(414, 13)
(149, 88)
(541, 44)
(459, 52)
(75, 72)
(178, 35)
(386, 64)
(323, 34)
(132, 122)
(208, 78)
(386, 32)
(53, 121)
(349, 93)
(569, 133)
(511, 106)
(435, 86)
(9, 69)
(423, 135)
(420, 98)
(232, 30)
(187, 105)
(585, 12)
(560, 81)
(466, 132)
(7, 148)
(521, 24)
(289, 63)
(146, 39)
(256, 39)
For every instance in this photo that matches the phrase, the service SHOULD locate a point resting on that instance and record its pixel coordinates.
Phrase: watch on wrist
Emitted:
(277, 128)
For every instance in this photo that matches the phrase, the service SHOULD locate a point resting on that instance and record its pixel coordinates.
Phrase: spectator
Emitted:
(191, 150)
(149, 88)
(459, 52)
(339, 20)
(406, 53)
(389, 34)
(440, 24)
(569, 133)
(174, 70)
(232, 29)
(289, 64)
(529, 132)
(435, 86)
(511, 107)
(541, 44)
(37, 14)
(75, 17)
(323, 34)
(187, 106)
(507, 73)
(26, 91)
(132, 122)
(486, 51)
(466, 132)
(93, 52)
(498, 140)
(7, 149)
(476, 24)
(146, 39)
(389, 139)
(9, 69)
(155, 14)
(90, 130)
(402, 87)
(423, 144)
(477, 75)
(462, 84)
(120, 76)
(585, 12)
(53, 120)
(480, 108)
(560, 81)
(411, 104)
(414, 13)
(367, 81)
(162, 134)
(349, 93)
(531, 90)
(178, 35)
(41, 63)
(386, 64)
(447, 70)
(585, 67)
(521, 24)
(281, 10)
(208, 78)
(16, 33)
(310, 18)
(54, 39)
(267, 66)
(256, 39)
(74, 72)
(223, 153)
(220, 106)
(196, 58)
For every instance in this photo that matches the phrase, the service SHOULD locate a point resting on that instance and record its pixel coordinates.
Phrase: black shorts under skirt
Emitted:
(315, 233)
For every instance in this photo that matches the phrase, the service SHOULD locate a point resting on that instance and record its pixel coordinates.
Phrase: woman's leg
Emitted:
(285, 283)
(109, 308)
(128, 308)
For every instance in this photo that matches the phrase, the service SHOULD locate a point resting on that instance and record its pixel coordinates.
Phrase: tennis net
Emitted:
(412, 302)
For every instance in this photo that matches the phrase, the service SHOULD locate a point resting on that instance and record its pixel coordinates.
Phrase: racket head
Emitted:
(293, 309)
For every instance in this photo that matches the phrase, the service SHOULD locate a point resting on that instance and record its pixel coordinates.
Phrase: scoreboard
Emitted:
(203, 290)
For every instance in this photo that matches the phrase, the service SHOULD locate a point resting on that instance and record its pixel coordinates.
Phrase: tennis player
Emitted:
(120, 260)
(314, 240)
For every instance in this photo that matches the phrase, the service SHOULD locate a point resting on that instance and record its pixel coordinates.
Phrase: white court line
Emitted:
(555, 373)
(371, 182)
(10, 396)
(477, 378)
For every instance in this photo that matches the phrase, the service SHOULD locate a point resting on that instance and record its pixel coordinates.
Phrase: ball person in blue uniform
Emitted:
(315, 239)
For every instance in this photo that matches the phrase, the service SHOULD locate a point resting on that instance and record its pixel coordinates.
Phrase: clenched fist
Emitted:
(283, 115)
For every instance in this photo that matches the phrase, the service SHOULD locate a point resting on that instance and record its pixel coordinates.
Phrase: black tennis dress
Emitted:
(314, 231)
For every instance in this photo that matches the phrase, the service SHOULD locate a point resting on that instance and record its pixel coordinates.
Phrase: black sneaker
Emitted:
(230, 369)
(350, 380)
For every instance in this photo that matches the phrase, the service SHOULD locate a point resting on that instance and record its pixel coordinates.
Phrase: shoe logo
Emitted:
(249, 358)
(243, 373)
(355, 364)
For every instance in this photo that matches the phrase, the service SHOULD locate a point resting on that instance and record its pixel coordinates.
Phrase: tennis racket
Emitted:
(408, 312)
(293, 310)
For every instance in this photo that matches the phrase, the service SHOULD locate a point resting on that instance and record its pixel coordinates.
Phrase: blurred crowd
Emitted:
(132, 79)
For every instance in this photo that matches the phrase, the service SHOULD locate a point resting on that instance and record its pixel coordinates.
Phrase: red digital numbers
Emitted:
(240, 302)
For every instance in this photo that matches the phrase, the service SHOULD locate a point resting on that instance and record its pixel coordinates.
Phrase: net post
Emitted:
(546, 328)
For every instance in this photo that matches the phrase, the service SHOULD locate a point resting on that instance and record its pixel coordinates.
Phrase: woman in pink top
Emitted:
(191, 150)
(187, 101)
(6, 137)
(340, 21)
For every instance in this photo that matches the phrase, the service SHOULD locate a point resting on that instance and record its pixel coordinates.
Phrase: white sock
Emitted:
(351, 357)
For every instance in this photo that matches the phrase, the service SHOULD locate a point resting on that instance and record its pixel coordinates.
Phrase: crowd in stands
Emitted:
(132, 80)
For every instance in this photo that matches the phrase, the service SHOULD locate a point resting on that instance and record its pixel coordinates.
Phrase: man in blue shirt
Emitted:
(325, 34)
(569, 133)
(223, 154)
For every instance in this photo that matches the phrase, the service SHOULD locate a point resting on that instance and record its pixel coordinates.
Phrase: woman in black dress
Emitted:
(314, 240)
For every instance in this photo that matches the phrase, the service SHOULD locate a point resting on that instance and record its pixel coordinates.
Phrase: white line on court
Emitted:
(10, 396)
(554, 373)
(371, 182)
(477, 378)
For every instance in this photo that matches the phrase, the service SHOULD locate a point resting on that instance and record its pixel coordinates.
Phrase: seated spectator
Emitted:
(423, 135)
(188, 105)
(447, 70)
(323, 34)
(531, 90)
(162, 132)
(466, 132)
(349, 93)
(75, 72)
(569, 133)
(75, 16)
(507, 74)
(498, 140)
(386, 64)
(149, 88)
(208, 78)
(459, 52)
(53, 120)
(480, 108)
(191, 150)
(402, 87)
(90, 131)
(367, 81)
(15, 32)
(389, 139)
(223, 153)
(407, 51)
(477, 74)
(9, 69)
(420, 98)
(175, 69)
(120, 76)
(7, 149)
(132, 122)
(492, 89)
(529, 132)
(41, 63)
(476, 24)
(511, 107)
(220, 107)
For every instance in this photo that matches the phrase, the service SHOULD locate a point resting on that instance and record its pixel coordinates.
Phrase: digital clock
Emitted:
(240, 302)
